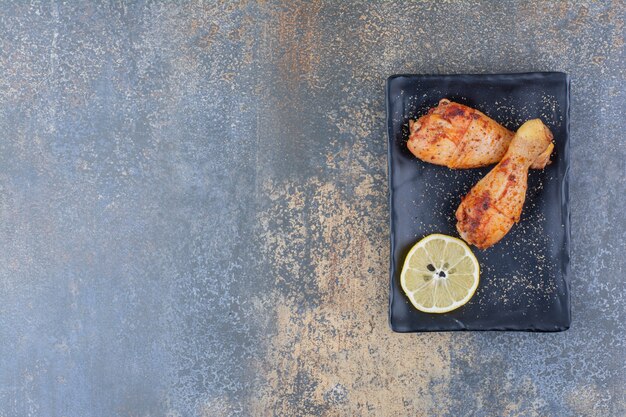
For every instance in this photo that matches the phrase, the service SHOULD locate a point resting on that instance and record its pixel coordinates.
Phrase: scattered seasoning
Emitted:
(530, 282)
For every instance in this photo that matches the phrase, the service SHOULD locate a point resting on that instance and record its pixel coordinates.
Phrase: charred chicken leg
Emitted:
(495, 203)
(458, 136)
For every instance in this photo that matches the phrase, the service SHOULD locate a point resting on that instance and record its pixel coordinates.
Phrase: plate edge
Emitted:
(565, 212)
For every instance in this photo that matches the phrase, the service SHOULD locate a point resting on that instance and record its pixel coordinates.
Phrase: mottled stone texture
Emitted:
(194, 217)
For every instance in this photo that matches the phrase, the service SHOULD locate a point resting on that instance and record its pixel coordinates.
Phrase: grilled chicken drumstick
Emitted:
(458, 136)
(495, 203)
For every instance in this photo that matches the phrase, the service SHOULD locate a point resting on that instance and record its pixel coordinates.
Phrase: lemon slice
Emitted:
(440, 274)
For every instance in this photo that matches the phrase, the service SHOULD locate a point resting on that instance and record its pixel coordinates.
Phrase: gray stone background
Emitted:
(194, 217)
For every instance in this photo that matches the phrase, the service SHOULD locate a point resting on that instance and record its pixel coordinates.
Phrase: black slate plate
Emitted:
(524, 283)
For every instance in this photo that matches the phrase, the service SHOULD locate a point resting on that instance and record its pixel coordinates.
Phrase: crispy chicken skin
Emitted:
(495, 203)
(458, 136)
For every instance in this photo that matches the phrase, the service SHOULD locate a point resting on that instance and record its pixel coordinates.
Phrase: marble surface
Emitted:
(194, 216)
